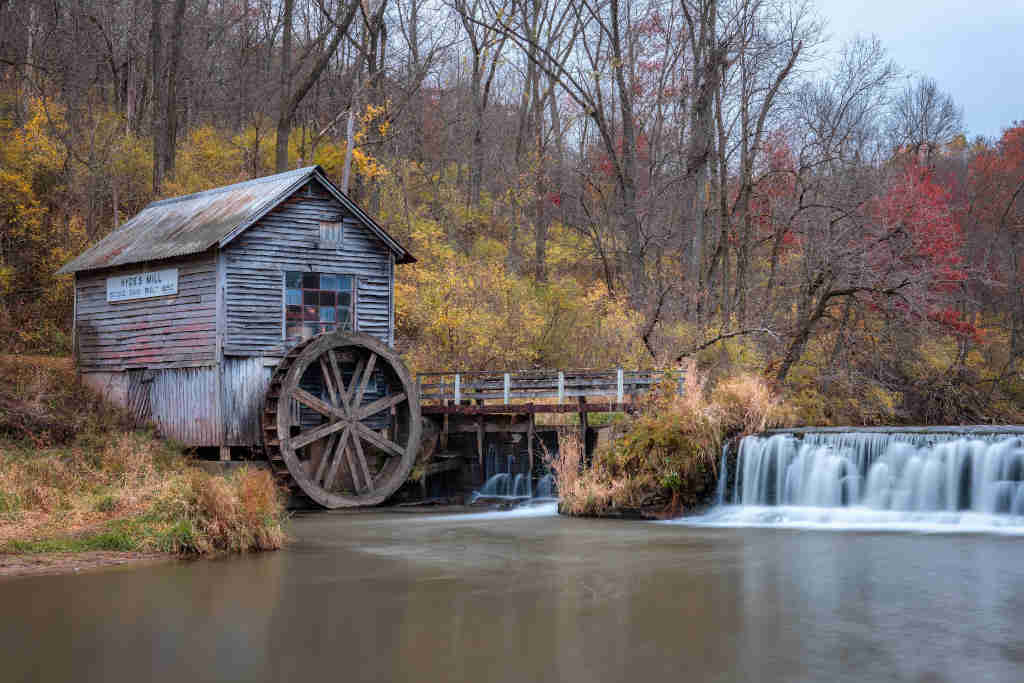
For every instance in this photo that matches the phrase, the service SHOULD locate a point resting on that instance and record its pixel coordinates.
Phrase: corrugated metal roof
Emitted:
(194, 223)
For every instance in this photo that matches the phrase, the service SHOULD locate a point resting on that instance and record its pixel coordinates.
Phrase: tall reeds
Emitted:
(665, 458)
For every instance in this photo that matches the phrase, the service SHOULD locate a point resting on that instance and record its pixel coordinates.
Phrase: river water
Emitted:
(530, 596)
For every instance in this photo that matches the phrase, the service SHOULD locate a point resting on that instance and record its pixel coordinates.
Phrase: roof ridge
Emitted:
(236, 186)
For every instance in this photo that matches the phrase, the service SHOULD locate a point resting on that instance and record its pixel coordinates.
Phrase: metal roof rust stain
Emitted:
(194, 223)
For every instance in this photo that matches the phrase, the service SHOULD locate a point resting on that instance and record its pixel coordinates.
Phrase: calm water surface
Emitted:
(534, 597)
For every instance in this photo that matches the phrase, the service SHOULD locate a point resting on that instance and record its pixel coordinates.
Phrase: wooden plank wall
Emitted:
(183, 403)
(288, 238)
(373, 307)
(244, 383)
(165, 331)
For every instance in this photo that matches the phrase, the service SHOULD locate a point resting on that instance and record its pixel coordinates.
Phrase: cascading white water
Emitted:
(517, 487)
(877, 479)
(723, 476)
(545, 487)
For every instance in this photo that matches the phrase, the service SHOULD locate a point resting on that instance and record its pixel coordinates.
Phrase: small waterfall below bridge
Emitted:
(928, 479)
(512, 480)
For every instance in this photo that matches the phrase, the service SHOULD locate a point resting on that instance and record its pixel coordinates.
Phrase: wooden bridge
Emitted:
(568, 391)
(506, 403)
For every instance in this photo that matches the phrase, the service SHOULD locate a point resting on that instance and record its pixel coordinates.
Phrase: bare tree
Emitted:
(924, 118)
(295, 81)
(486, 43)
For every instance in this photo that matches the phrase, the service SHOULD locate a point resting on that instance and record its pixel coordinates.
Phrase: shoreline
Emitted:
(17, 565)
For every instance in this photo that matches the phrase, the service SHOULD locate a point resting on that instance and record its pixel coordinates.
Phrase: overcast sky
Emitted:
(974, 50)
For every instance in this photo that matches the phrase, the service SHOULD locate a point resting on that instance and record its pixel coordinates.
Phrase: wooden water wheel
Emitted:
(341, 420)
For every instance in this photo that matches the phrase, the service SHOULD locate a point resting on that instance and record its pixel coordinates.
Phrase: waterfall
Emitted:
(723, 477)
(505, 485)
(885, 478)
(546, 487)
(498, 485)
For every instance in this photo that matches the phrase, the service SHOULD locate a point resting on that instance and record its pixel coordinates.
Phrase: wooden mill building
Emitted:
(182, 313)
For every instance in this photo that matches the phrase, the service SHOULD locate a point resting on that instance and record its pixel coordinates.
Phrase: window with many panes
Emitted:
(316, 302)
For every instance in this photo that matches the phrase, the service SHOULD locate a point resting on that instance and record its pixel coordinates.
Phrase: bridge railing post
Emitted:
(618, 387)
(561, 387)
(508, 385)
(458, 389)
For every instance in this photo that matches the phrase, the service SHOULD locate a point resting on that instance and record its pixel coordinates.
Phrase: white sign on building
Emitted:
(142, 285)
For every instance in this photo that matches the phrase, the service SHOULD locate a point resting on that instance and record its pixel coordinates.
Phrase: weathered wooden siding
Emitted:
(164, 331)
(288, 238)
(243, 385)
(183, 402)
(373, 307)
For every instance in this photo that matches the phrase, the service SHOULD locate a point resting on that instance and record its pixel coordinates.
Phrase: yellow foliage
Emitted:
(470, 311)
(208, 158)
(331, 156)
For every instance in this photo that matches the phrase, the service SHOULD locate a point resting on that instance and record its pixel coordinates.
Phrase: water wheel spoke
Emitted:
(340, 447)
(310, 435)
(380, 405)
(311, 401)
(348, 393)
(379, 441)
(325, 459)
(338, 378)
(328, 381)
(364, 381)
(352, 463)
(361, 457)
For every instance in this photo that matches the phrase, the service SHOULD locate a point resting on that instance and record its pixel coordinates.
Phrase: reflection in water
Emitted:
(530, 596)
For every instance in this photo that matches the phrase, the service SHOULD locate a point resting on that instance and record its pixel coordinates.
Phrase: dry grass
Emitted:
(666, 457)
(747, 404)
(233, 514)
(75, 477)
(43, 402)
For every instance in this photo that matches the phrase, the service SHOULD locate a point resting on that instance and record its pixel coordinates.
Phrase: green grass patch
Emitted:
(102, 540)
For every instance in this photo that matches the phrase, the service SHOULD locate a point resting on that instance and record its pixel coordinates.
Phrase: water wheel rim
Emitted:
(345, 434)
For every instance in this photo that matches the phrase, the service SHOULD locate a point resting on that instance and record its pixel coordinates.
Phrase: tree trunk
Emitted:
(171, 116)
(291, 98)
(159, 138)
(541, 237)
(284, 117)
(809, 317)
(630, 219)
(476, 167)
(1017, 287)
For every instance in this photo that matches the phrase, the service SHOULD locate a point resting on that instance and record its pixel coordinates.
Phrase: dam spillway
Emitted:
(931, 479)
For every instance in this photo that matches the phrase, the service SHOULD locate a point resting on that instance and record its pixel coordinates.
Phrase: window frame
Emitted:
(284, 301)
(331, 245)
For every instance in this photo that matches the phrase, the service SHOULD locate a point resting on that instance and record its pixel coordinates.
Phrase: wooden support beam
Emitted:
(529, 442)
(480, 438)
(581, 402)
(439, 467)
(525, 409)
(489, 427)
(444, 430)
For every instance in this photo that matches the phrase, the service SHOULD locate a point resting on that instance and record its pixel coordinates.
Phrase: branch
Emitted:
(723, 337)
(342, 25)
(17, 63)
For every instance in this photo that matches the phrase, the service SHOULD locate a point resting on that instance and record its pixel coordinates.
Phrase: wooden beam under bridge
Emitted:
(526, 408)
